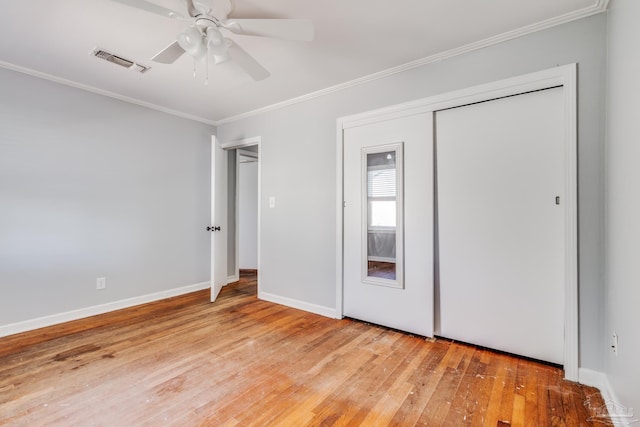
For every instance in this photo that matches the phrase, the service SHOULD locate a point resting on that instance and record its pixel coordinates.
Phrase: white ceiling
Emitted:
(354, 38)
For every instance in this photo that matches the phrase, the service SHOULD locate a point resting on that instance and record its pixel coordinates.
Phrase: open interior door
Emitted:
(218, 226)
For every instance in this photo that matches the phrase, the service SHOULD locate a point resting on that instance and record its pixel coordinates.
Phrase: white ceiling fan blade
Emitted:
(247, 62)
(150, 7)
(288, 29)
(169, 54)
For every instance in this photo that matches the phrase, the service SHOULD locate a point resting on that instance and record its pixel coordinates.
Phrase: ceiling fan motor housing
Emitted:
(218, 9)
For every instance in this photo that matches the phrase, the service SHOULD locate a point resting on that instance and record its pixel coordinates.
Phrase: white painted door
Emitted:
(500, 175)
(388, 223)
(218, 218)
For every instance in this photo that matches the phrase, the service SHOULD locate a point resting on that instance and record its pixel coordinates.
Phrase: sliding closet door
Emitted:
(500, 180)
(388, 223)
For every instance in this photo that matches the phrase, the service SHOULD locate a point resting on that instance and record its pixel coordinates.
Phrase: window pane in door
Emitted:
(382, 211)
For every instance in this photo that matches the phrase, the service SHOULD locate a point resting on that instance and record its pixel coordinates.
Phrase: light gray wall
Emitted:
(298, 155)
(89, 187)
(248, 215)
(623, 201)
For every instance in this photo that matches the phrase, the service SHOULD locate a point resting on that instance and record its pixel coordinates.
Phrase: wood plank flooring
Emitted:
(241, 361)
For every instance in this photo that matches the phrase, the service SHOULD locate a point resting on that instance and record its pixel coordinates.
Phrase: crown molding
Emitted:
(107, 93)
(603, 4)
(598, 7)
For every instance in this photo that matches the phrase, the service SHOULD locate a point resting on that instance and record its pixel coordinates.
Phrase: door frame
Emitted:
(565, 76)
(237, 144)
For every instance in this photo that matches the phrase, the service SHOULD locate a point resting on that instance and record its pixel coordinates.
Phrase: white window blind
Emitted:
(381, 183)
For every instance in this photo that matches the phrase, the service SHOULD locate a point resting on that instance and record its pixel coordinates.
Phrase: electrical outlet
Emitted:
(101, 283)
(614, 343)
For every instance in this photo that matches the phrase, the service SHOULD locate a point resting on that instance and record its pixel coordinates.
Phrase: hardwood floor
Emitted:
(241, 361)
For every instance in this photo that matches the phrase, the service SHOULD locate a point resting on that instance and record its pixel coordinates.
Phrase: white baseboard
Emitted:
(54, 319)
(599, 380)
(234, 278)
(300, 305)
(592, 378)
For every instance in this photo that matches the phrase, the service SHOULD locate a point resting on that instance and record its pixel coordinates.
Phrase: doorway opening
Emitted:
(243, 209)
(247, 213)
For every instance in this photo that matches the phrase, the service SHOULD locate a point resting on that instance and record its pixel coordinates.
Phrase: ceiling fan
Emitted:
(204, 38)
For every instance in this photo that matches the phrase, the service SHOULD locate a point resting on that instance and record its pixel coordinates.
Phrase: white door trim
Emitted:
(240, 143)
(565, 76)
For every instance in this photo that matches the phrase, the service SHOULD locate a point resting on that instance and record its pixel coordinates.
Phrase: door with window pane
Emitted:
(388, 223)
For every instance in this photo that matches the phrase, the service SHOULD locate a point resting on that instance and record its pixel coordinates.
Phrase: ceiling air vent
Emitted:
(118, 60)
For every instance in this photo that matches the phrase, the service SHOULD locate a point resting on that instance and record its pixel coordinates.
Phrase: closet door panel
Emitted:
(500, 180)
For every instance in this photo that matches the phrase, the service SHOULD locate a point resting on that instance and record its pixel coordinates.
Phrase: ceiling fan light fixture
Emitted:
(219, 59)
(190, 40)
(216, 43)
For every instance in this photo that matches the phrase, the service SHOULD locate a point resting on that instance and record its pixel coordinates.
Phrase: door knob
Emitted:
(212, 228)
